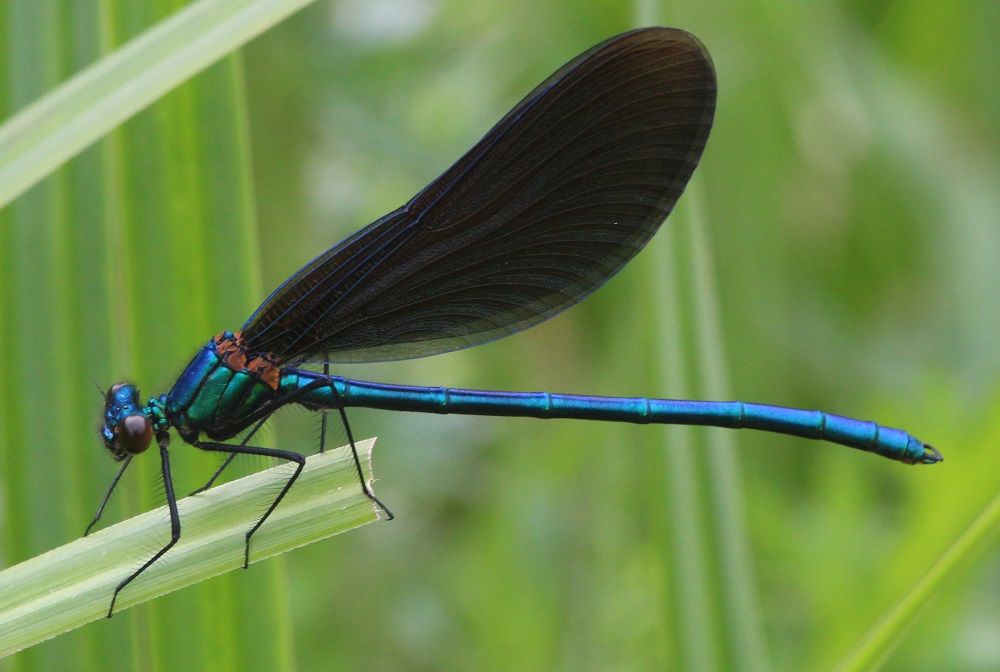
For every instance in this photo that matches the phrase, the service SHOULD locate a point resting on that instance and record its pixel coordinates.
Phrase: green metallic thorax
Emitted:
(213, 397)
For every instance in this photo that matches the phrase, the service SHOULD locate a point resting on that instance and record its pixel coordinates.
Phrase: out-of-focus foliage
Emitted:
(849, 195)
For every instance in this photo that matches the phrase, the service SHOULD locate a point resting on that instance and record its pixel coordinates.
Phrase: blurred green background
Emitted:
(837, 249)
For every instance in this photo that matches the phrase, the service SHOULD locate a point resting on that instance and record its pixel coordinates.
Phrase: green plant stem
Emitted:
(81, 110)
(882, 638)
(72, 585)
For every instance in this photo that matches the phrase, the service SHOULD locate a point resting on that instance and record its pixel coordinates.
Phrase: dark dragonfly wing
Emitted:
(553, 201)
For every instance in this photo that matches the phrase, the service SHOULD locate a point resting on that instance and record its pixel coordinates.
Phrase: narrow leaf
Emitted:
(73, 584)
(886, 634)
(81, 110)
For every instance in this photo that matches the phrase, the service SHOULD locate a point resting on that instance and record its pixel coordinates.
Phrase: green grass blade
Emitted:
(716, 607)
(714, 556)
(742, 628)
(72, 585)
(881, 639)
(58, 126)
(692, 609)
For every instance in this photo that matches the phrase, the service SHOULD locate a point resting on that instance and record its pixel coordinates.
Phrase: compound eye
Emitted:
(135, 434)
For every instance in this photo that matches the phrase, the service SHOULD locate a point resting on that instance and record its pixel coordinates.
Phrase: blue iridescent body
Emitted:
(555, 199)
(212, 398)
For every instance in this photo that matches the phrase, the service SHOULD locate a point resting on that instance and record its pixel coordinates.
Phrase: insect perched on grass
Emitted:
(552, 202)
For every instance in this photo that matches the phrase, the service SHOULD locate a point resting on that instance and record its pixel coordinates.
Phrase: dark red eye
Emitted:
(134, 434)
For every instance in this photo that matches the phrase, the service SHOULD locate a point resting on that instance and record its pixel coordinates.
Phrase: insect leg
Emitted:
(232, 456)
(354, 453)
(267, 452)
(316, 384)
(322, 427)
(107, 496)
(163, 440)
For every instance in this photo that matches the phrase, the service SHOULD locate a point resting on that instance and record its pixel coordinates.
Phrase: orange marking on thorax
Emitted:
(233, 353)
